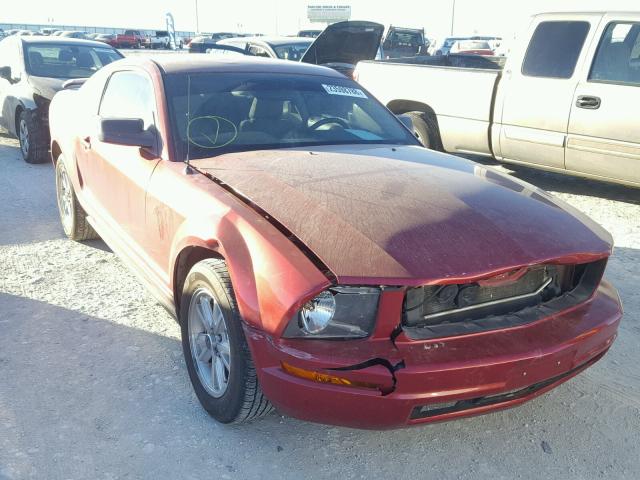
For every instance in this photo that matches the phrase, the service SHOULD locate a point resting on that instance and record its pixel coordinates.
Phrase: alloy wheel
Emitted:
(24, 138)
(65, 198)
(209, 342)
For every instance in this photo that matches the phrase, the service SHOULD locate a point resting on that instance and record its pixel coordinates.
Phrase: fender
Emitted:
(262, 263)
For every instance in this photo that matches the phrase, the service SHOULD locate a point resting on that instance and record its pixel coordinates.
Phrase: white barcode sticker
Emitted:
(346, 91)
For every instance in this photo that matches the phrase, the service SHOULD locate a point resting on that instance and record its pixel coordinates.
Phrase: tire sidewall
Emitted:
(421, 130)
(24, 118)
(71, 227)
(226, 408)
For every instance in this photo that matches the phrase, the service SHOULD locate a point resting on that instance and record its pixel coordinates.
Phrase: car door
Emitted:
(10, 56)
(115, 177)
(538, 92)
(604, 132)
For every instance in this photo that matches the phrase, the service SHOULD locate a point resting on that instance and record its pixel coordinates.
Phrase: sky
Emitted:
(497, 17)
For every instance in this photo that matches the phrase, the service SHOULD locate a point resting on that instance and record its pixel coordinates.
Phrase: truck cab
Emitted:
(565, 100)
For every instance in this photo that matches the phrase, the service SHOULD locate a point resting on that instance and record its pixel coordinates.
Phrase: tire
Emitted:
(208, 288)
(72, 215)
(425, 128)
(33, 142)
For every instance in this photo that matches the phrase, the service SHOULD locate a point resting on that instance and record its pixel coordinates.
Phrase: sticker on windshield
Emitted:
(346, 91)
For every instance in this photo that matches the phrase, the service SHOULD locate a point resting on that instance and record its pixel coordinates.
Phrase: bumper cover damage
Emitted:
(420, 381)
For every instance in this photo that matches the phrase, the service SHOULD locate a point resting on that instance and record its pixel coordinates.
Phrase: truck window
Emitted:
(554, 49)
(618, 57)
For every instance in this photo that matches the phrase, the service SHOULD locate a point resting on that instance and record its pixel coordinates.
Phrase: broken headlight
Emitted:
(336, 313)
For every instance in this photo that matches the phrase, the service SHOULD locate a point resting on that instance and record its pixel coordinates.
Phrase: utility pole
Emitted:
(453, 15)
(197, 19)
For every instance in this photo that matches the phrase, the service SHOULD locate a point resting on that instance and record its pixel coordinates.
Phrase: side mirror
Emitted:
(406, 121)
(126, 131)
(5, 72)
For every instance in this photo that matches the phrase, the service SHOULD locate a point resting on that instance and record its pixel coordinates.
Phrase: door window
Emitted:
(554, 49)
(259, 51)
(129, 95)
(10, 56)
(618, 57)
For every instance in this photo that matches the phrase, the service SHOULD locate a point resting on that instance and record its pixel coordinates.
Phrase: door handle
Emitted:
(588, 102)
(86, 143)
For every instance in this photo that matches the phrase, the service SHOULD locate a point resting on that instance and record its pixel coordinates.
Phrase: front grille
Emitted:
(498, 302)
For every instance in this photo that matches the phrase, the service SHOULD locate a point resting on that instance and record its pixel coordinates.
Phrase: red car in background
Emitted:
(108, 38)
(317, 258)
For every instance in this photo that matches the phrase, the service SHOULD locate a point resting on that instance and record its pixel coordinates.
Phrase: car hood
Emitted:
(345, 42)
(407, 215)
(46, 87)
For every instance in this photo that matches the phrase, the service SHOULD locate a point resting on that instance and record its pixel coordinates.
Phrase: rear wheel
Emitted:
(425, 128)
(72, 215)
(215, 349)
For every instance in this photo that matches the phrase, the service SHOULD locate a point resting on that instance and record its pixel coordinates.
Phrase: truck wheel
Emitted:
(72, 215)
(425, 128)
(32, 144)
(215, 349)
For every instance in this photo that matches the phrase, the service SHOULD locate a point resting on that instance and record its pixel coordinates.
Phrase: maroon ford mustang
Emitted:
(317, 258)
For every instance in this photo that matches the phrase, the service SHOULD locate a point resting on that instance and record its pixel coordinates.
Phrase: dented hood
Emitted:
(345, 42)
(406, 215)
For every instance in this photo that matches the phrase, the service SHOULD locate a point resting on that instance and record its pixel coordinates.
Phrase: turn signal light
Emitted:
(325, 378)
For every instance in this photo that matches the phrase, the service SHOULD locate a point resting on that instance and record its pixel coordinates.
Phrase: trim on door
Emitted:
(604, 147)
(531, 135)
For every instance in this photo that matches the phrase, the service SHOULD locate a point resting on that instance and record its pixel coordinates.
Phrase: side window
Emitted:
(618, 57)
(128, 95)
(554, 49)
(10, 56)
(259, 51)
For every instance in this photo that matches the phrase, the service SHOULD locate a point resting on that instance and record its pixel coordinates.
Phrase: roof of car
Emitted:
(172, 63)
(275, 41)
(58, 40)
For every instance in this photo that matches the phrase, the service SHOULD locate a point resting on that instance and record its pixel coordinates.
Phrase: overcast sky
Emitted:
(503, 17)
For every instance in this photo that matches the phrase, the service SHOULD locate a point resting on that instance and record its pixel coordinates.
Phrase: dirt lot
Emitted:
(93, 385)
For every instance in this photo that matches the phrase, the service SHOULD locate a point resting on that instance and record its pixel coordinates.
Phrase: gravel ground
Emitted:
(93, 385)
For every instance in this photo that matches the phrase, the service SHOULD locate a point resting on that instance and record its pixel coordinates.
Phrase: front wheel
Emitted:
(33, 143)
(215, 349)
(72, 215)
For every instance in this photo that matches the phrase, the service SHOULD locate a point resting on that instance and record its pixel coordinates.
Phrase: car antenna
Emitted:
(188, 170)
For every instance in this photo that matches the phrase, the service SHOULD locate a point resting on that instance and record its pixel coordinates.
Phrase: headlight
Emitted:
(339, 312)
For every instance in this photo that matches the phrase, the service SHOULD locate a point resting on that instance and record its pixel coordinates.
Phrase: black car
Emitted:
(283, 48)
(340, 46)
(32, 70)
(201, 43)
(404, 42)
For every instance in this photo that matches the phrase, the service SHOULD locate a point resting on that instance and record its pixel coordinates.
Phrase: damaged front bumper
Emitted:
(381, 383)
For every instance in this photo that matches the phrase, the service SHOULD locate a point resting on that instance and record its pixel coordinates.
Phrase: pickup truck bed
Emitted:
(565, 100)
(459, 89)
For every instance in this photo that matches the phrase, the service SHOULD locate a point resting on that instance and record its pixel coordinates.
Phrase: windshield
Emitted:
(67, 61)
(405, 38)
(292, 51)
(228, 112)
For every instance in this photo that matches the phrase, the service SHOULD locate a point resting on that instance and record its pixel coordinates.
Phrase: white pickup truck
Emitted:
(567, 99)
